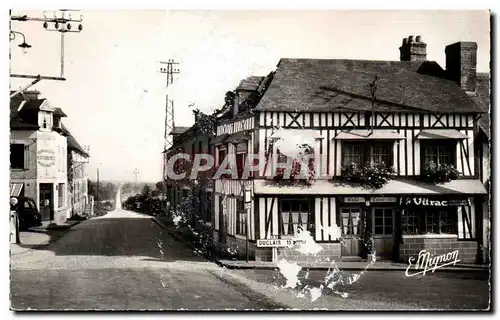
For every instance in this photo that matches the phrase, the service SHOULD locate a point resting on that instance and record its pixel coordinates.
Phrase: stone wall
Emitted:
(467, 250)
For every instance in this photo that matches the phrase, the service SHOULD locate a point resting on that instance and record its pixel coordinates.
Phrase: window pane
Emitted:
(294, 214)
(380, 153)
(379, 230)
(388, 230)
(352, 153)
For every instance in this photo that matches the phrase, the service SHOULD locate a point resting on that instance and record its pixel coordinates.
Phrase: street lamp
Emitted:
(25, 46)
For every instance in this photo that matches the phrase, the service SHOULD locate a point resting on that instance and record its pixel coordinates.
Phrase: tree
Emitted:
(146, 190)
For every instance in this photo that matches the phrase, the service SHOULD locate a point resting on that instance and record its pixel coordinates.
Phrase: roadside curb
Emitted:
(325, 268)
(65, 227)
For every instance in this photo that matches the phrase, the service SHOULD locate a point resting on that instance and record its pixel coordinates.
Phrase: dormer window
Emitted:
(45, 118)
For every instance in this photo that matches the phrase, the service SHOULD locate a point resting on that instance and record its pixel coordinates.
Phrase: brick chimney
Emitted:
(461, 60)
(413, 49)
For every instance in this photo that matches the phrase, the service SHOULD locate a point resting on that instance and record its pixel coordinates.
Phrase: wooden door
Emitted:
(46, 199)
(351, 231)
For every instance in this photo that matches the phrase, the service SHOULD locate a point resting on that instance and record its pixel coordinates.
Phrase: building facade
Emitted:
(411, 115)
(78, 159)
(199, 192)
(38, 155)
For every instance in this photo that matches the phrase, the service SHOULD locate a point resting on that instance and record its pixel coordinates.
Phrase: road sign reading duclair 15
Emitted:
(276, 243)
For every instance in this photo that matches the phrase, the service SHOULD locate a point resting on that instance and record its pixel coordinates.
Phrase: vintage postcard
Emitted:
(250, 160)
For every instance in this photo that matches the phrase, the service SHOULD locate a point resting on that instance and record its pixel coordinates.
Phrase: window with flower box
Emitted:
(440, 152)
(362, 152)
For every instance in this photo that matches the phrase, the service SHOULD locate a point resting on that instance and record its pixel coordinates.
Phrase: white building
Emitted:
(38, 158)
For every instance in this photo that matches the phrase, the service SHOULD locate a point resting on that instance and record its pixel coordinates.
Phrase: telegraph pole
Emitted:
(169, 69)
(136, 172)
(97, 195)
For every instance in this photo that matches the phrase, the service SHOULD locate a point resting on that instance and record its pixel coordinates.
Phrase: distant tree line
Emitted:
(107, 190)
(148, 201)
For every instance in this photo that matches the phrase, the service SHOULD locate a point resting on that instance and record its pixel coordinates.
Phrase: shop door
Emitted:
(46, 205)
(351, 231)
(383, 229)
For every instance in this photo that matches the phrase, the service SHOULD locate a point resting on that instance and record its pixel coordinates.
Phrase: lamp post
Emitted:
(25, 46)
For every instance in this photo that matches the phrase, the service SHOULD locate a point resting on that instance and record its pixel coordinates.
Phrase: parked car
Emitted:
(29, 216)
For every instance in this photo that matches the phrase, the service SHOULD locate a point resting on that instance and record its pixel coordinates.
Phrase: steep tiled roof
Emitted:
(72, 143)
(21, 119)
(324, 85)
(179, 130)
(59, 112)
(483, 91)
(251, 83)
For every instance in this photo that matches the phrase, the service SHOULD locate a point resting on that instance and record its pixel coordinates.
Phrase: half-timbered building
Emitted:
(414, 113)
(190, 141)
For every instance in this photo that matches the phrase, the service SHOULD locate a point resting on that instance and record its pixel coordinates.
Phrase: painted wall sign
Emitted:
(354, 199)
(46, 158)
(383, 199)
(426, 202)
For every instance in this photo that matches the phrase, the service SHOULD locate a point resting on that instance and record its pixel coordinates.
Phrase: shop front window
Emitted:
(295, 215)
(429, 221)
(383, 221)
(409, 223)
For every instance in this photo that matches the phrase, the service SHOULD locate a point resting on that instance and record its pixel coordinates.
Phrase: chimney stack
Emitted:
(31, 94)
(413, 49)
(461, 60)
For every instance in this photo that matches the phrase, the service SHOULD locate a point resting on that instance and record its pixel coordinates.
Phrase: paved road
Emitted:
(441, 290)
(121, 261)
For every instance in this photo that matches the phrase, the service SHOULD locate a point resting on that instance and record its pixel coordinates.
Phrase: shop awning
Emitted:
(441, 134)
(219, 139)
(368, 134)
(15, 189)
(240, 136)
(393, 187)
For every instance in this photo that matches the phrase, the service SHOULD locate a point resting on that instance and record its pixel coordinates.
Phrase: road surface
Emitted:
(121, 261)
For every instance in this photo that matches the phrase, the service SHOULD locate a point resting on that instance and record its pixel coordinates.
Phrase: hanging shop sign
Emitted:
(354, 199)
(46, 158)
(383, 199)
(426, 202)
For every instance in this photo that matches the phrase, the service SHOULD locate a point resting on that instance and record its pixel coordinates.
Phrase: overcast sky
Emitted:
(114, 94)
